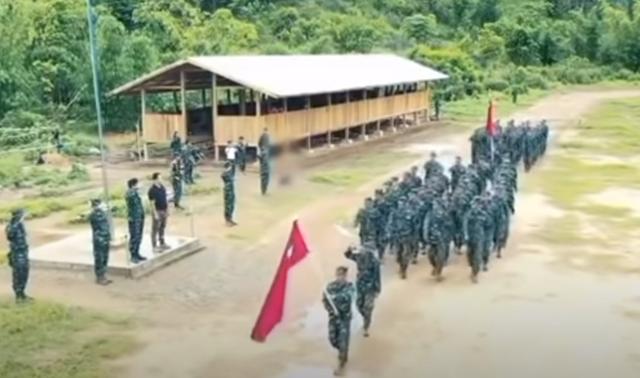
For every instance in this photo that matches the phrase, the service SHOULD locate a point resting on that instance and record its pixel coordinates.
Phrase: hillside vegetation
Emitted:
(499, 45)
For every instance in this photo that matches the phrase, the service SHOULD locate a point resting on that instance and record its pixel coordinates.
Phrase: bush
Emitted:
(497, 85)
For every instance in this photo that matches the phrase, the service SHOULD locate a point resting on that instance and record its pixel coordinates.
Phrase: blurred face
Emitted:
(458, 160)
(341, 275)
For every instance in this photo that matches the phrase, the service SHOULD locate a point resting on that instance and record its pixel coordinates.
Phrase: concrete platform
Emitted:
(75, 253)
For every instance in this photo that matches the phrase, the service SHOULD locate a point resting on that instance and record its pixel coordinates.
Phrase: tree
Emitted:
(522, 47)
(420, 28)
(487, 11)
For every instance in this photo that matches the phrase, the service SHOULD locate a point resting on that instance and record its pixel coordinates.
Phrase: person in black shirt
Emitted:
(159, 210)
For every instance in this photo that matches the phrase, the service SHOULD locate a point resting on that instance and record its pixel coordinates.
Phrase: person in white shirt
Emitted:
(230, 152)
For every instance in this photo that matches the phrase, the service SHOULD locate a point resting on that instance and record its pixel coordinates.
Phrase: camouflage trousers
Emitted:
(380, 246)
(502, 235)
(264, 181)
(100, 259)
(229, 204)
(487, 244)
(20, 276)
(339, 335)
(474, 255)
(365, 302)
(177, 192)
(136, 229)
(188, 174)
(438, 255)
(404, 254)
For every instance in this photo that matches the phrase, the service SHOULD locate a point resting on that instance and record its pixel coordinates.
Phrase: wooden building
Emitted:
(295, 97)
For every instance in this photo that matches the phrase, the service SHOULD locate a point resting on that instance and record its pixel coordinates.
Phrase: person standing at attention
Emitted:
(101, 236)
(135, 217)
(177, 181)
(231, 153)
(18, 254)
(159, 209)
(242, 154)
(229, 193)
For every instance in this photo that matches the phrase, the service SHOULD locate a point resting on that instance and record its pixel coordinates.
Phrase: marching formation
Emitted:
(433, 213)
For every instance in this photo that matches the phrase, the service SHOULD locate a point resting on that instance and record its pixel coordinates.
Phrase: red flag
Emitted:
(273, 307)
(491, 119)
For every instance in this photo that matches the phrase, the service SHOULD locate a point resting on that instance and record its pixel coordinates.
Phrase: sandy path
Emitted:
(527, 317)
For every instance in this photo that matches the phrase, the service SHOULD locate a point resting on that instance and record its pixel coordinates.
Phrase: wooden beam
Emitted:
(242, 99)
(204, 98)
(183, 102)
(307, 107)
(348, 110)
(380, 96)
(258, 104)
(364, 124)
(214, 115)
(329, 126)
(140, 131)
(286, 109)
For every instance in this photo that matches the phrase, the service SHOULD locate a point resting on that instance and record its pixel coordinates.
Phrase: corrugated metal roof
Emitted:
(295, 75)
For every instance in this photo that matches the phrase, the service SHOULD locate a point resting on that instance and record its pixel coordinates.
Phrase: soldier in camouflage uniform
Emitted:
(432, 166)
(188, 162)
(242, 154)
(177, 181)
(229, 192)
(176, 144)
(101, 235)
(368, 283)
(379, 219)
(135, 217)
(337, 300)
(18, 254)
(457, 171)
(265, 171)
(403, 230)
(475, 236)
(439, 237)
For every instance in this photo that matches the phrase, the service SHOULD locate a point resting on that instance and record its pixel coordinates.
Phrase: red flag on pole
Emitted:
(273, 307)
(491, 119)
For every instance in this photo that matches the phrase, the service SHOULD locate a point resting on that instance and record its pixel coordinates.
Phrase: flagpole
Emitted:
(320, 273)
(96, 93)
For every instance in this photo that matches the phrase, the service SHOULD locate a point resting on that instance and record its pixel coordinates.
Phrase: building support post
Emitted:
(329, 125)
(307, 108)
(214, 116)
(348, 109)
(363, 132)
(378, 121)
(140, 130)
(183, 102)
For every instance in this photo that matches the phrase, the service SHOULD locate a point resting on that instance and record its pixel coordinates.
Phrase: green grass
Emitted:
(613, 128)
(578, 169)
(474, 109)
(55, 341)
(360, 169)
(18, 171)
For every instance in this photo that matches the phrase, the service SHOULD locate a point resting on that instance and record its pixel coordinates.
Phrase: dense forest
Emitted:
(485, 45)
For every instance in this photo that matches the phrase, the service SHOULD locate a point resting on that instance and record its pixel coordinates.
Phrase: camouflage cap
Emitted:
(95, 201)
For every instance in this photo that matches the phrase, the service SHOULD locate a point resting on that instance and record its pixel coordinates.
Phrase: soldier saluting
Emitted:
(337, 300)
(368, 280)
(18, 254)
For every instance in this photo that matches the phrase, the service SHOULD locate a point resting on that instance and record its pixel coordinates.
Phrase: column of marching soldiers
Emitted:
(471, 208)
(432, 214)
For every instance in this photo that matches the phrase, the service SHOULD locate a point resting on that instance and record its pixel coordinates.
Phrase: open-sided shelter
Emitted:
(295, 97)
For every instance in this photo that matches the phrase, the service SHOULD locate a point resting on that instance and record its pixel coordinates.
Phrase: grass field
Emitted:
(597, 159)
(55, 341)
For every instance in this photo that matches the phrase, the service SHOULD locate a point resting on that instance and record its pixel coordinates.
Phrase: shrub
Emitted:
(497, 85)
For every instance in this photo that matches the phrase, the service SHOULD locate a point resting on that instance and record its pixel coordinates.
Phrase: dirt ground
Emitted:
(529, 316)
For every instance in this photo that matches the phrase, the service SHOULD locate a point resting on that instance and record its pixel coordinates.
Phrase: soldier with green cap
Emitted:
(177, 181)
(228, 178)
(337, 300)
(101, 235)
(18, 254)
(367, 281)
